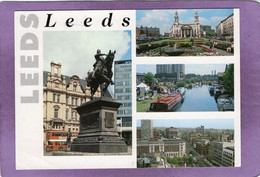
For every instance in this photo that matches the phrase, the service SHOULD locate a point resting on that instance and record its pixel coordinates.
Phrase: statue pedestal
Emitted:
(98, 129)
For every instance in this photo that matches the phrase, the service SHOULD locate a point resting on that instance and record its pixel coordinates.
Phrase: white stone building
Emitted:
(226, 27)
(182, 30)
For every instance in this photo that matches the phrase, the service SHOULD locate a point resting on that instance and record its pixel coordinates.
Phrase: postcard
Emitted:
(124, 86)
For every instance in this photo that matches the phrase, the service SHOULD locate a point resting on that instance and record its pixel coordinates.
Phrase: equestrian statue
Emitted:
(102, 73)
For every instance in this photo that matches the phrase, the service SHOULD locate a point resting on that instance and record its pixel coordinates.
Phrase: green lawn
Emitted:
(173, 40)
(144, 105)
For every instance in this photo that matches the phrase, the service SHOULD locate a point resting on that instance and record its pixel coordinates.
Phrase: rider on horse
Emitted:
(99, 63)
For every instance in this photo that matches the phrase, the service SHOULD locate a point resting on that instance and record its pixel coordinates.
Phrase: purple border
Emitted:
(250, 107)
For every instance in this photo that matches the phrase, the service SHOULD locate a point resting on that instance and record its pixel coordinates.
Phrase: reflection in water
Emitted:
(198, 99)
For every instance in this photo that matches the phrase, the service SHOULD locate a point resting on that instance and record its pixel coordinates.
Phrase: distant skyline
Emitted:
(163, 19)
(201, 69)
(193, 123)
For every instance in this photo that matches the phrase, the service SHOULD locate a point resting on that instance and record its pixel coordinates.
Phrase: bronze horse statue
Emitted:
(104, 76)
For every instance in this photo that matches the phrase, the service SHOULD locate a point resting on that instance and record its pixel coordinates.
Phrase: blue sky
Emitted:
(75, 50)
(193, 123)
(163, 19)
(200, 69)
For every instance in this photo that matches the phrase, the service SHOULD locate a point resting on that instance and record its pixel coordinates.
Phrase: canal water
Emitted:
(198, 99)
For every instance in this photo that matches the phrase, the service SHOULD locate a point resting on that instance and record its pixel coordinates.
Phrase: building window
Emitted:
(72, 101)
(67, 100)
(67, 114)
(58, 98)
(81, 101)
(68, 129)
(54, 97)
(76, 116)
(76, 101)
(71, 115)
(74, 87)
(56, 111)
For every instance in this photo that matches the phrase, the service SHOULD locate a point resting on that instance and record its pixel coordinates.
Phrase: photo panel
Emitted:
(185, 87)
(185, 32)
(186, 143)
(81, 106)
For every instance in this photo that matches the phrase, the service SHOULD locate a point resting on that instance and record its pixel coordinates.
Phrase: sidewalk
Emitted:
(222, 52)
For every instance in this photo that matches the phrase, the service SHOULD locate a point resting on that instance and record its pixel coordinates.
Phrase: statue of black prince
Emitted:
(102, 73)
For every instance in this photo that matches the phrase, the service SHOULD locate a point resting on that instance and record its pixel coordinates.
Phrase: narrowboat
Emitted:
(166, 103)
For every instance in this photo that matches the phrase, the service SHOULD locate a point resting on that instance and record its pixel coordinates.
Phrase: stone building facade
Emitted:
(182, 30)
(170, 147)
(218, 148)
(226, 27)
(228, 157)
(61, 95)
(147, 32)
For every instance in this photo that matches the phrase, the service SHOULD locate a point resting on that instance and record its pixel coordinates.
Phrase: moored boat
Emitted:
(166, 103)
(182, 91)
(225, 103)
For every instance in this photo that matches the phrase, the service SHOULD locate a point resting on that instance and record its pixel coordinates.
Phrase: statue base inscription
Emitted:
(98, 129)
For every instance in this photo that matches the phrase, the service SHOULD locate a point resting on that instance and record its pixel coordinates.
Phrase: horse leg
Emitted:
(92, 93)
(105, 88)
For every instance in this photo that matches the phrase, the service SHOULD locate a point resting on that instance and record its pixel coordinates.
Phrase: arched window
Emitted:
(74, 87)
(56, 111)
(55, 71)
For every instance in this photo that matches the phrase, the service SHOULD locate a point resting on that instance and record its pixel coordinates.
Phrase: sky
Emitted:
(201, 69)
(163, 19)
(193, 123)
(75, 50)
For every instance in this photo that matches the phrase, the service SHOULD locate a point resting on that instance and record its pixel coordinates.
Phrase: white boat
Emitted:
(182, 91)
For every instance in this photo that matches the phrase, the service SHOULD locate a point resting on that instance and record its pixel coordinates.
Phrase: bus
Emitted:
(56, 140)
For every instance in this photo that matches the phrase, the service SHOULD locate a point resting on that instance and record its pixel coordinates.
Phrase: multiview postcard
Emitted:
(124, 85)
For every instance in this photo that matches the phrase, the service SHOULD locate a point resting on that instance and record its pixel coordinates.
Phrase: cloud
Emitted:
(213, 21)
(76, 50)
(157, 18)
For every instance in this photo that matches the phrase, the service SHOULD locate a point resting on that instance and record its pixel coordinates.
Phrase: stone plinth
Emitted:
(98, 129)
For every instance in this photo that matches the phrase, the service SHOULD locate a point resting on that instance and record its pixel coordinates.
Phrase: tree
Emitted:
(149, 78)
(228, 79)
(181, 84)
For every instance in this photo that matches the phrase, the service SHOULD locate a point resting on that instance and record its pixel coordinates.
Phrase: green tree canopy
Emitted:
(228, 79)
(149, 79)
(181, 84)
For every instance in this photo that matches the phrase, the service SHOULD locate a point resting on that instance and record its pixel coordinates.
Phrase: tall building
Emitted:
(218, 149)
(202, 146)
(226, 27)
(200, 130)
(123, 94)
(228, 157)
(61, 95)
(222, 137)
(147, 129)
(180, 30)
(170, 72)
(172, 132)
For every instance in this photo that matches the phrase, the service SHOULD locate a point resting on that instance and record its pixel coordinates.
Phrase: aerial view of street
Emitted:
(185, 143)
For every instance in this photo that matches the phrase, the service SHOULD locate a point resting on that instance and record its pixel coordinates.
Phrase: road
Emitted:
(201, 161)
